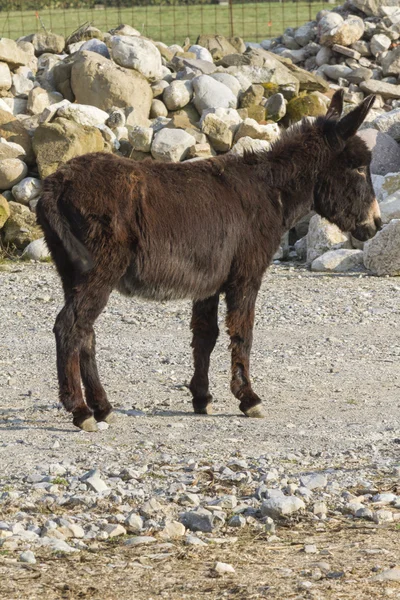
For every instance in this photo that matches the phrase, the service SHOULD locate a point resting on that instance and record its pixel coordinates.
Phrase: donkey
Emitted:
(193, 230)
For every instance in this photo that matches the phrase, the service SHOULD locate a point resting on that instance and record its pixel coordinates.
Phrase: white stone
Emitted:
(5, 76)
(390, 208)
(389, 123)
(141, 138)
(27, 557)
(338, 261)
(379, 43)
(222, 568)
(36, 250)
(382, 252)
(279, 506)
(392, 574)
(134, 523)
(114, 530)
(27, 189)
(248, 144)
(220, 125)
(21, 85)
(201, 53)
(230, 81)
(94, 481)
(173, 530)
(83, 114)
(314, 481)
(323, 236)
(12, 171)
(139, 54)
(50, 112)
(250, 128)
(172, 145)
(178, 94)
(210, 93)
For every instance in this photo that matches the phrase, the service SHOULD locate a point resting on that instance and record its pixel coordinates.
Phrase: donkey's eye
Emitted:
(362, 170)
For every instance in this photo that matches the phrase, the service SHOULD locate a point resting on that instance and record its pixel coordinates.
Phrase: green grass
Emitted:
(254, 21)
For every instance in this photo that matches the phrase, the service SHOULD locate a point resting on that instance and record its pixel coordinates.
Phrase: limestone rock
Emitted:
(141, 138)
(178, 94)
(40, 99)
(218, 45)
(12, 54)
(220, 126)
(5, 76)
(83, 114)
(37, 250)
(390, 207)
(210, 93)
(323, 236)
(386, 90)
(250, 128)
(172, 145)
(20, 228)
(382, 252)
(333, 29)
(12, 130)
(48, 42)
(385, 151)
(12, 170)
(338, 261)
(27, 189)
(281, 506)
(247, 144)
(4, 210)
(137, 53)
(57, 142)
(97, 81)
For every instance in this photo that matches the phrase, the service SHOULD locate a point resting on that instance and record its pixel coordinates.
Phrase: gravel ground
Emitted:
(324, 361)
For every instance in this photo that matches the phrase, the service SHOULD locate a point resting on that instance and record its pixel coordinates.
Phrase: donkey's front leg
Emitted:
(240, 301)
(205, 333)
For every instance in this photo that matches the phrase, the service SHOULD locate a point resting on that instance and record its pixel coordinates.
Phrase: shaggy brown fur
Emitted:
(192, 230)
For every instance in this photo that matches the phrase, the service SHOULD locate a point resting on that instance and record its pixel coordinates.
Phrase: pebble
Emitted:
(223, 568)
(27, 557)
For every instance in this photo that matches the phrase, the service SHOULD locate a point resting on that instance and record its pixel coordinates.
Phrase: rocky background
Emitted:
(120, 92)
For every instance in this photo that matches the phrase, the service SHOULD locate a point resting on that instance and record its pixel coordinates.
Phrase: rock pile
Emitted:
(121, 92)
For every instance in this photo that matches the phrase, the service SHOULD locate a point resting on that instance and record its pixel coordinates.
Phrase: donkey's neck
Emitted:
(292, 167)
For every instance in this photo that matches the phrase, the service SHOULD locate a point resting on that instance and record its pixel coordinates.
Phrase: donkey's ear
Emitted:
(348, 126)
(335, 108)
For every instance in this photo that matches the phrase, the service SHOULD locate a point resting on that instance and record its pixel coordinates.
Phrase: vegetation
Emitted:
(170, 22)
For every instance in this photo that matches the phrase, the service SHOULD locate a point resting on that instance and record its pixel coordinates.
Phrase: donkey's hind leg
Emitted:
(96, 397)
(240, 301)
(204, 326)
(73, 327)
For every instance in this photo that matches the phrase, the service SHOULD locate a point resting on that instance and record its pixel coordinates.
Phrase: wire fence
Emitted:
(169, 21)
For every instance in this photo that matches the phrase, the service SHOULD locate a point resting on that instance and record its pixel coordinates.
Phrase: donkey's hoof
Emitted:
(204, 410)
(111, 418)
(256, 412)
(88, 424)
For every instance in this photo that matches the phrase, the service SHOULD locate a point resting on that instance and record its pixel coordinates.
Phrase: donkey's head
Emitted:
(344, 194)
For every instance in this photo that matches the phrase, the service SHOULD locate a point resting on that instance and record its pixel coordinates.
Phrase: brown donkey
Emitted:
(193, 230)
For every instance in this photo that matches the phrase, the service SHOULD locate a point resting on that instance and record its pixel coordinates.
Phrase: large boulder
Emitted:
(386, 90)
(20, 228)
(98, 81)
(47, 42)
(12, 54)
(323, 236)
(333, 29)
(57, 142)
(371, 7)
(12, 130)
(210, 93)
(385, 151)
(382, 252)
(137, 53)
(338, 261)
(4, 210)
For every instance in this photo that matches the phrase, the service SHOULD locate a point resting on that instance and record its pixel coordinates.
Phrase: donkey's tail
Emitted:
(58, 220)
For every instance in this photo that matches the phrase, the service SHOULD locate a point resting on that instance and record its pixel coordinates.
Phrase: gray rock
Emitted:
(21, 85)
(275, 107)
(178, 94)
(201, 53)
(280, 506)
(12, 171)
(373, 7)
(237, 521)
(386, 497)
(134, 523)
(389, 123)
(210, 93)
(392, 574)
(386, 90)
(333, 29)
(142, 540)
(172, 145)
(338, 261)
(314, 481)
(158, 109)
(379, 43)
(336, 71)
(323, 236)
(230, 81)
(27, 189)
(5, 76)
(27, 557)
(359, 75)
(382, 252)
(141, 138)
(139, 54)
(323, 56)
(385, 151)
(37, 250)
(306, 33)
(94, 481)
(199, 520)
(391, 62)
(83, 114)
(220, 125)
(97, 46)
(193, 540)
